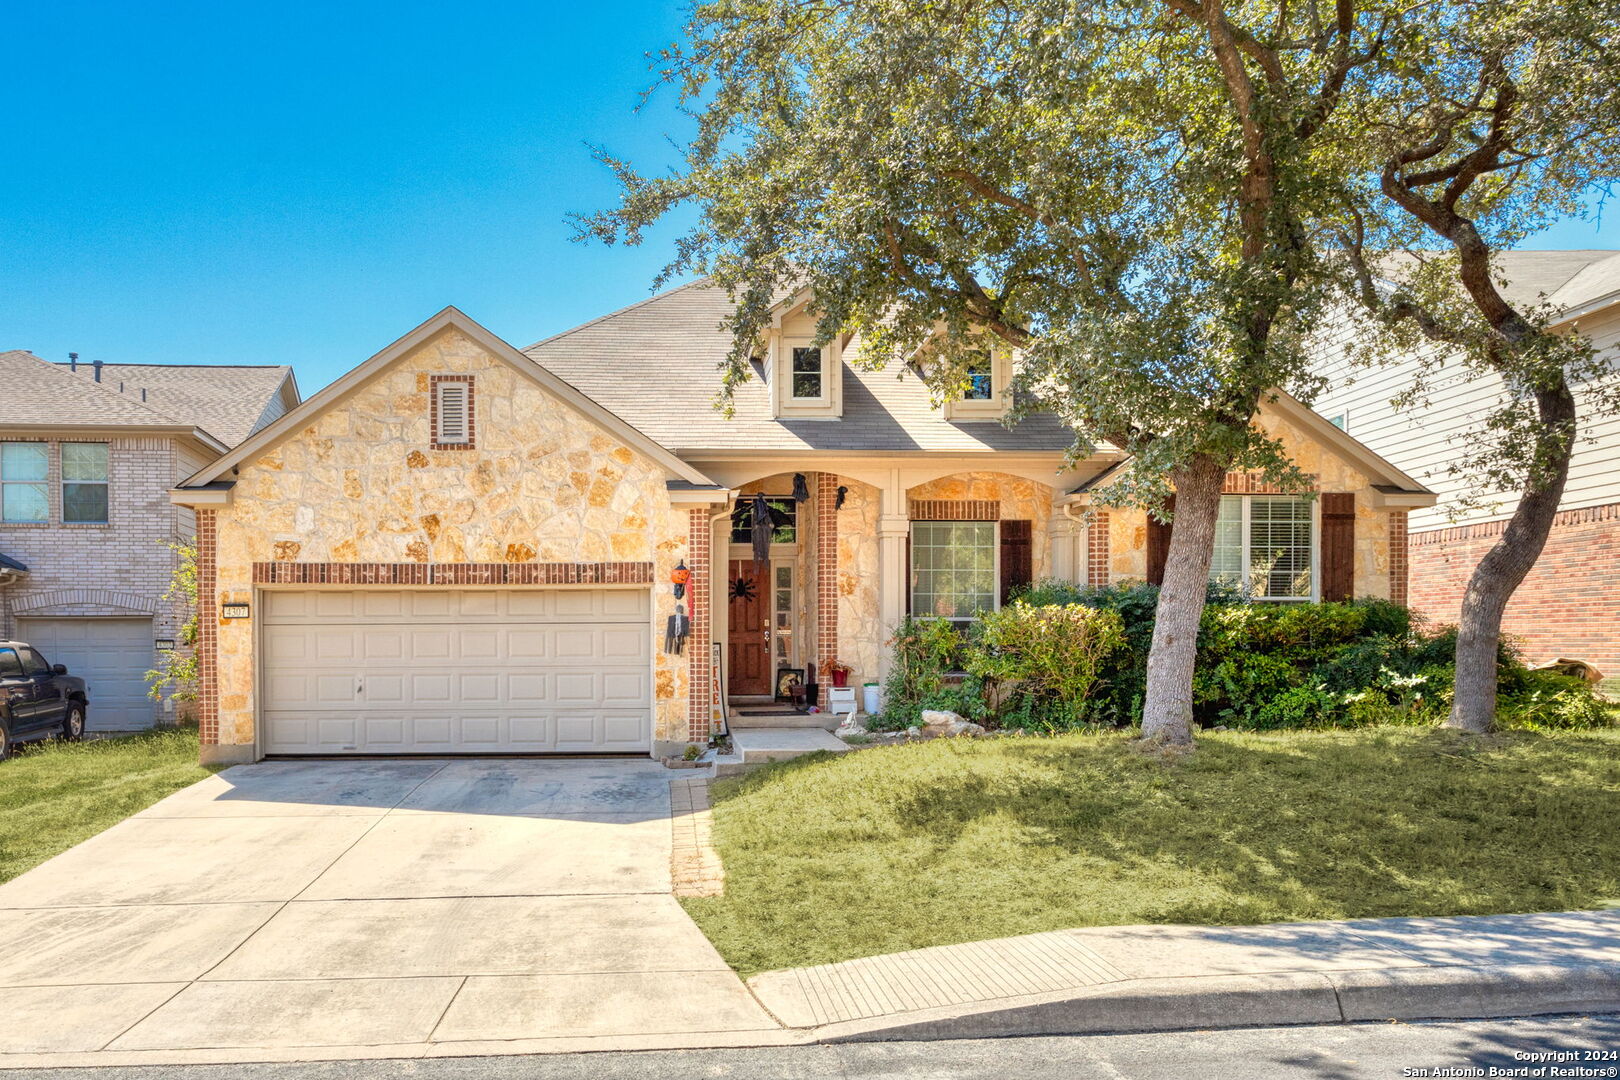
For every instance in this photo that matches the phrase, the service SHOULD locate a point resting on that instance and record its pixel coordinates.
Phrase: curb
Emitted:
(1235, 1001)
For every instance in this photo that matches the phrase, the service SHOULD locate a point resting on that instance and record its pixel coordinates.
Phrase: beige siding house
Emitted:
(1570, 603)
(88, 454)
(461, 547)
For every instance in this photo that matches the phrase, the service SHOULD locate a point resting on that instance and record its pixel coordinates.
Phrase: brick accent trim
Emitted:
(826, 568)
(1586, 515)
(472, 412)
(1254, 484)
(295, 573)
(140, 605)
(1400, 561)
(955, 510)
(207, 629)
(1097, 553)
(699, 541)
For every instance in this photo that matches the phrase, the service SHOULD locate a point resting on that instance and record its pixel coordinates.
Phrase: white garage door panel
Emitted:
(111, 655)
(457, 672)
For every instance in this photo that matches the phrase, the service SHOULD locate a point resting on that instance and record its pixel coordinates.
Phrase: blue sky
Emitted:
(293, 183)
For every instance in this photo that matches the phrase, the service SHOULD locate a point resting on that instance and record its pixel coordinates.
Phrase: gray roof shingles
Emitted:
(655, 364)
(40, 392)
(225, 400)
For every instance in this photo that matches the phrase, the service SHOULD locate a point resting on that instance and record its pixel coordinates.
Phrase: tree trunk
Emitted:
(1167, 712)
(1479, 628)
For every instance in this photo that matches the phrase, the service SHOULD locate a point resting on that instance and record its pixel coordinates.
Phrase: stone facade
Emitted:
(1127, 526)
(361, 484)
(862, 638)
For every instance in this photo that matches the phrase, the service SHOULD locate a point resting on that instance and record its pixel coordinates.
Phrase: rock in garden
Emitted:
(963, 727)
(939, 718)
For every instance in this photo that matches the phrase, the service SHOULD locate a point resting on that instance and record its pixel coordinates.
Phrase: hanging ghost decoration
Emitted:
(676, 631)
(760, 532)
(801, 490)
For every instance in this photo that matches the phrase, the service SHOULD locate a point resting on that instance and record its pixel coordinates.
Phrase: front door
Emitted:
(749, 668)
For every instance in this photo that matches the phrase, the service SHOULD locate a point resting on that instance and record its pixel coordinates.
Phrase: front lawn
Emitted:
(53, 795)
(880, 850)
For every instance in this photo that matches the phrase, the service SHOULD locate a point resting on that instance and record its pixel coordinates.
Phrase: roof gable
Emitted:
(333, 395)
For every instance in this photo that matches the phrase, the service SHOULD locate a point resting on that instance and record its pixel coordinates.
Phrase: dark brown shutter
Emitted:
(1158, 543)
(1338, 545)
(1016, 558)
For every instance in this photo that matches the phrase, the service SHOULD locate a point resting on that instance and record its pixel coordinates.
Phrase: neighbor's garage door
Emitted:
(453, 672)
(112, 656)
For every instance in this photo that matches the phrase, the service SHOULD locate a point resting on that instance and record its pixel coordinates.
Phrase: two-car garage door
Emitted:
(437, 671)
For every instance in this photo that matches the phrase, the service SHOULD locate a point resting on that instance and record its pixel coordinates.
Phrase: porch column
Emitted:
(894, 529)
(1067, 539)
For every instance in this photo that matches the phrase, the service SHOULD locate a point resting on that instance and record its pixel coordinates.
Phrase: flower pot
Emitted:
(840, 678)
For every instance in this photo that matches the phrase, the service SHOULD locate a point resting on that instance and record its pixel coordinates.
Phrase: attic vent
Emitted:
(453, 426)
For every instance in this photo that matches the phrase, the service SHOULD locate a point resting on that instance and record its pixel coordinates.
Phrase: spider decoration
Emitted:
(743, 589)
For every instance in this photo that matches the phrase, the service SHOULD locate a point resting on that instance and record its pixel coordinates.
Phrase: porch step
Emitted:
(755, 746)
(786, 718)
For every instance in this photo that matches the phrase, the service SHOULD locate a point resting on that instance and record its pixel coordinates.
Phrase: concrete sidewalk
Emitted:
(1157, 978)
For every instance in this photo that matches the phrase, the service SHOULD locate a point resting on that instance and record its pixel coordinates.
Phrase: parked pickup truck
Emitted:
(37, 700)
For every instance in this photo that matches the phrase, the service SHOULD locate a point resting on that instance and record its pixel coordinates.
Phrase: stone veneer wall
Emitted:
(862, 637)
(361, 484)
(1020, 499)
(1376, 574)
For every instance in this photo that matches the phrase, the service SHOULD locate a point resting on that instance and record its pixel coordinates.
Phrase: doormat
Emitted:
(771, 712)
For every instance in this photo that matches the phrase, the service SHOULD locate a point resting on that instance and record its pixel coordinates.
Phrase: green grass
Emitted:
(55, 794)
(835, 857)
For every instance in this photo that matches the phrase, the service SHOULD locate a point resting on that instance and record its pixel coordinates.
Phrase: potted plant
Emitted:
(839, 671)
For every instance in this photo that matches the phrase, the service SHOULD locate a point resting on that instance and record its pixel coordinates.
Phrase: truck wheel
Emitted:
(5, 741)
(73, 723)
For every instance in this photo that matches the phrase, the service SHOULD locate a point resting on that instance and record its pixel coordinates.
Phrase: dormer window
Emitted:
(808, 378)
(984, 393)
(454, 426)
(980, 379)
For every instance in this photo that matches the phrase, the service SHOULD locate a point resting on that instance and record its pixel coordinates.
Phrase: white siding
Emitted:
(1422, 441)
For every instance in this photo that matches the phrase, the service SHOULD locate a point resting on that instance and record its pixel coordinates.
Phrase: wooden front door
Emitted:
(749, 666)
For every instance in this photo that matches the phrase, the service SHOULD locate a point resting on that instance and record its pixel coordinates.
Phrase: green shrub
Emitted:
(1548, 701)
(1042, 662)
(926, 652)
(1260, 666)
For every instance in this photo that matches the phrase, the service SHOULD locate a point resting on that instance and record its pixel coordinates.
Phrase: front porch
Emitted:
(845, 555)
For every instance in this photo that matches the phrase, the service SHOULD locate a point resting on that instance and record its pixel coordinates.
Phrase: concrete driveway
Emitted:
(382, 908)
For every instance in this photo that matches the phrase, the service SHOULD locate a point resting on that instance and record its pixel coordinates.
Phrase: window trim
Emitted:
(44, 484)
(959, 407)
(793, 396)
(105, 482)
(1246, 548)
(436, 413)
(995, 566)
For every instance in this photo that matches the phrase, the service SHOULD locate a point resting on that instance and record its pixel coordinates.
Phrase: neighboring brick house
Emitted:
(1569, 605)
(88, 453)
(460, 547)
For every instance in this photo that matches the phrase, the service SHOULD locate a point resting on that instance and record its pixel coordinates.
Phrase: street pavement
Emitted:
(1329, 1052)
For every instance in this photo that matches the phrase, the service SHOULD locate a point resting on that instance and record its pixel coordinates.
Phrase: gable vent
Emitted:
(452, 413)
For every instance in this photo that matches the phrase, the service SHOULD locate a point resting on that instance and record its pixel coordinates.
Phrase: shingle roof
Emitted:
(655, 364)
(47, 394)
(226, 400)
(1564, 278)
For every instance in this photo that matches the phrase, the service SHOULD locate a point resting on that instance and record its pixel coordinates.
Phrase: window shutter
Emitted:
(1158, 544)
(1338, 545)
(453, 421)
(1016, 557)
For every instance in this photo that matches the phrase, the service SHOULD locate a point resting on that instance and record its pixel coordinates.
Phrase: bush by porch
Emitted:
(1065, 657)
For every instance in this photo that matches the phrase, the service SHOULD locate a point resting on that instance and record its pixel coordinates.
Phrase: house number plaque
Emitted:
(233, 611)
